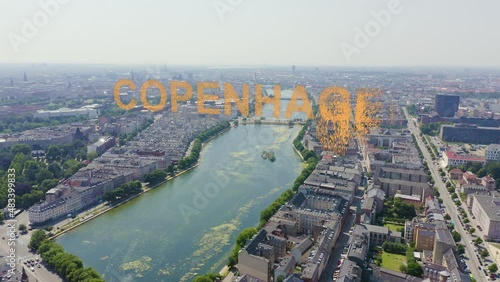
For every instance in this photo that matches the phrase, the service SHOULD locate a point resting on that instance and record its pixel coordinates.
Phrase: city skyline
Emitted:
(257, 33)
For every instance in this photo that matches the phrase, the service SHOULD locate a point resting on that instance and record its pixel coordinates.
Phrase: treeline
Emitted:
(241, 240)
(396, 208)
(10, 124)
(395, 248)
(432, 128)
(66, 265)
(155, 177)
(297, 142)
(196, 148)
(211, 277)
(34, 177)
(412, 267)
(123, 191)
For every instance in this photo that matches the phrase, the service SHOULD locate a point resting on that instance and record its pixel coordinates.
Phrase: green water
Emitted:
(188, 225)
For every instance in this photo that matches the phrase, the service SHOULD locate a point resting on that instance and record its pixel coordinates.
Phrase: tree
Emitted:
(472, 230)
(402, 268)
(170, 169)
(37, 239)
(414, 269)
(207, 278)
(22, 228)
(461, 249)
(478, 241)
(456, 236)
(91, 156)
(485, 253)
(21, 148)
(280, 278)
(493, 268)
(447, 217)
(43, 175)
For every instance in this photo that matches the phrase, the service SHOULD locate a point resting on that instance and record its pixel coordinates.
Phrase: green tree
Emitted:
(493, 268)
(43, 175)
(461, 249)
(280, 278)
(21, 148)
(22, 228)
(485, 253)
(37, 239)
(414, 269)
(91, 156)
(478, 241)
(472, 230)
(170, 169)
(456, 236)
(402, 268)
(31, 169)
(207, 278)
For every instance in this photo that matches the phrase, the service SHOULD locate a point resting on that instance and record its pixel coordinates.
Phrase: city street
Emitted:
(341, 241)
(472, 261)
(22, 252)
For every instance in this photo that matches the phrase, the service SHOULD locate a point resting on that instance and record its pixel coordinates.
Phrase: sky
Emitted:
(252, 32)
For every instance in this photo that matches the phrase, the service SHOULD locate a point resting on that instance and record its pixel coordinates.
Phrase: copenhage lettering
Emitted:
(241, 101)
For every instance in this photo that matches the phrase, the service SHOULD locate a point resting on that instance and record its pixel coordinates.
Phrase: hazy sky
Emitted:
(254, 32)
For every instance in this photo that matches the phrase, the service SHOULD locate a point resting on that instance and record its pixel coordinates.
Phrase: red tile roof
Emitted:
(454, 156)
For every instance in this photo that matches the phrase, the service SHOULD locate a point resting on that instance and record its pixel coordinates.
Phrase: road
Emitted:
(41, 274)
(343, 240)
(472, 261)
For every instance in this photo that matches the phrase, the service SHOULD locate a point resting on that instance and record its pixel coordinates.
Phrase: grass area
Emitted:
(392, 261)
(393, 227)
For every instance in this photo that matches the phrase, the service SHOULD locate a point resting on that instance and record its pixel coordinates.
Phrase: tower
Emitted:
(293, 69)
(25, 77)
(11, 82)
(446, 105)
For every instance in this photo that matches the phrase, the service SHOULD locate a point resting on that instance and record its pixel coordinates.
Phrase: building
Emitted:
(470, 183)
(456, 174)
(486, 209)
(453, 159)
(349, 272)
(493, 153)
(470, 134)
(381, 234)
(443, 243)
(83, 112)
(257, 258)
(424, 236)
(381, 274)
(359, 245)
(446, 105)
(101, 146)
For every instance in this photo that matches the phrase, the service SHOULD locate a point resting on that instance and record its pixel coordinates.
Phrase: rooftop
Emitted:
(490, 205)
